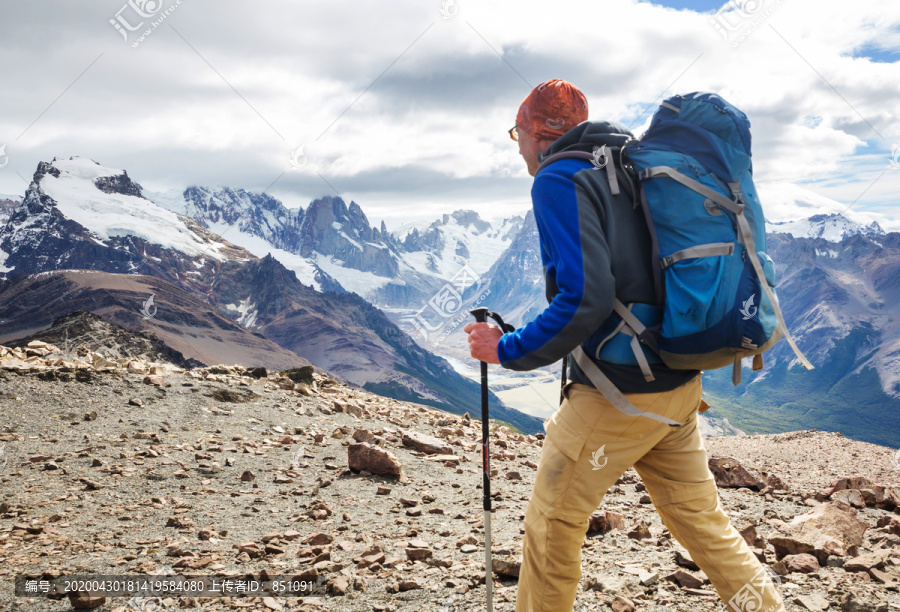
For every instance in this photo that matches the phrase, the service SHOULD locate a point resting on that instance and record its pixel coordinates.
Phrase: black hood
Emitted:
(587, 135)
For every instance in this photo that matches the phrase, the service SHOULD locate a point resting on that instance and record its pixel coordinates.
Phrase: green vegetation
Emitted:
(833, 397)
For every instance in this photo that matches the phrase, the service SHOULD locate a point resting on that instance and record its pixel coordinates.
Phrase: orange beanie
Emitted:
(551, 109)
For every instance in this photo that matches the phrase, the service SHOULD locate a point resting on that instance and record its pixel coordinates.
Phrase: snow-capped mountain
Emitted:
(257, 222)
(803, 213)
(80, 215)
(333, 247)
(833, 227)
(459, 239)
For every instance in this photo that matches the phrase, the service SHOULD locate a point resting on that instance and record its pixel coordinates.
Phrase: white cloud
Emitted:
(429, 135)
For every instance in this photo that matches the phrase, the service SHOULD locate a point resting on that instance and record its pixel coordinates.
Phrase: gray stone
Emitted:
(426, 444)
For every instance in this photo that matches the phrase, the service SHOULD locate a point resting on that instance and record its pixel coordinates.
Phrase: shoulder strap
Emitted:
(603, 157)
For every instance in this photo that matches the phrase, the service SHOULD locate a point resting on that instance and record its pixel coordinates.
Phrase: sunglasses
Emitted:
(514, 133)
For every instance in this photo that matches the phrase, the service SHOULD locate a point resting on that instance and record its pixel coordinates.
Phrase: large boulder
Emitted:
(828, 529)
(728, 472)
(860, 492)
(364, 456)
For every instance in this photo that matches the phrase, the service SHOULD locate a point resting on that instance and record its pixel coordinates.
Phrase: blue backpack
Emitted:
(709, 234)
(715, 282)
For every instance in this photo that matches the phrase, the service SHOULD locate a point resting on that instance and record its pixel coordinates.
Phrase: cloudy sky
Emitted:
(404, 106)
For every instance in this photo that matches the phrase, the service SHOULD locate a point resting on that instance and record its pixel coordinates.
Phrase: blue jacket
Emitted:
(594, 247)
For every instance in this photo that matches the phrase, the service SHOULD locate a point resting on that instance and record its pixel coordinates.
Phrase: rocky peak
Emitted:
(45, 168)
(269, 272)
(120, 183)
(332, 229)
(330, 213)
(256, 214)
(468, 219)
(833, 227)
(7, 206)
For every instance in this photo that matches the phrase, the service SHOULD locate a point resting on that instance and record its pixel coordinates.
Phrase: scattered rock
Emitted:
(685, 579)
(683, 558)
(84, 601)
(829, 529)
(259, 372)
(409, 585)
(603, 522)
(507, 568)
(852, 482)
(302, 375)
(728, 472)
(364, 456)
(648, 578)
(426, 444)
(867, 562)
(234, 396)
(813, 602)
(340, 585)
(640, 530)
(418, 554)
(751, 537)
(803, 563)
(319, 510)
(858, 602)
(318, 539)
(621, 604)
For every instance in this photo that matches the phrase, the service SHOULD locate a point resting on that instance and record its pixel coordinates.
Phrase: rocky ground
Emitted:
(119, 466)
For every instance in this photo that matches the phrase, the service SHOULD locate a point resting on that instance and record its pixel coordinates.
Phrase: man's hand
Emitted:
(483, 339)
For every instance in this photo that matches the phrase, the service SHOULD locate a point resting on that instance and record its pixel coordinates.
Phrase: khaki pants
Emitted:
(573, 477)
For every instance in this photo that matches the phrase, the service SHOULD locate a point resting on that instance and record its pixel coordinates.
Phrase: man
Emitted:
(595, 247)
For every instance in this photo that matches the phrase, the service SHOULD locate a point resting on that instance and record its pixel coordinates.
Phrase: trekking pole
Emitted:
(562, 383)
(480, 315)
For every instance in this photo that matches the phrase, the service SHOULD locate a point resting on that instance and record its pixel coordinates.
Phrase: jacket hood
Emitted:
(587, 135)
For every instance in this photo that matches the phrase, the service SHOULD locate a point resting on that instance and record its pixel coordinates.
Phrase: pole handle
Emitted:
(480, 314)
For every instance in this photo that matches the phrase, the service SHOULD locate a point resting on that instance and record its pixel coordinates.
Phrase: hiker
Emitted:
(595, 249)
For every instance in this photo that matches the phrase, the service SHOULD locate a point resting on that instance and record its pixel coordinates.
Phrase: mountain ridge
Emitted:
(78, 214)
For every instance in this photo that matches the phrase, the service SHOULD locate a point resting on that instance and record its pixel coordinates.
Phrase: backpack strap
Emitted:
(638, 332)
(675, 175)
(602, 157)
(615, 397)
(745, 235)
(713, 249)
